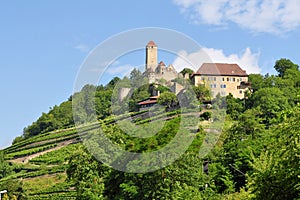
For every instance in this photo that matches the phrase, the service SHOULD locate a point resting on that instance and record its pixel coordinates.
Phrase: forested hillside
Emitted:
(257, 155)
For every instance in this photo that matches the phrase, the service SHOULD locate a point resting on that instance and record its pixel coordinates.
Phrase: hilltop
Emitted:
(255, 151)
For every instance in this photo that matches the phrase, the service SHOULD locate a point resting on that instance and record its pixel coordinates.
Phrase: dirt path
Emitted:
(26, 159)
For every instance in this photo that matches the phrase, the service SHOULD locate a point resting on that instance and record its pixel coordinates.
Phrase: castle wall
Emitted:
(123, 92)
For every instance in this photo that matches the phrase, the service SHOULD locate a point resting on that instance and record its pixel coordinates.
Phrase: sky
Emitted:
(43, 44)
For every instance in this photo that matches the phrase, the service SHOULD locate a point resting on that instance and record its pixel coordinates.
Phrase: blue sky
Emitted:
(44, 43)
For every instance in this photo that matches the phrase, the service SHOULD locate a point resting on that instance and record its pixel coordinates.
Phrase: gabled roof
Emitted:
(151, 43)
(161, 63)
(224, 69)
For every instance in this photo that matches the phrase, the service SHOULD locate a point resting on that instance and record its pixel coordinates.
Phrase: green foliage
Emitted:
(235, 107)
(56, 157)
(257, 81)
(283, 64)
(58, 117)
(187, 71)
(256, 157)
(168, 99)
(276, 173)
(14, 188)
(270, 101)
(30, 151)
(5, 168)
(42, 140)
(86, 172)
(162, 89)
(202, 93)
(206, 115)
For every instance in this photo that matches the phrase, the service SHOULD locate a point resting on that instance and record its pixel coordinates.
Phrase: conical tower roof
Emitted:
(151, 43)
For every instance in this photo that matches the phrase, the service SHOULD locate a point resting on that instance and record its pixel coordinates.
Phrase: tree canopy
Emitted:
(284, 64)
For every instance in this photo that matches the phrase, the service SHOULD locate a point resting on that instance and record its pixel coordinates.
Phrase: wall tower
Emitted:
(151, 55)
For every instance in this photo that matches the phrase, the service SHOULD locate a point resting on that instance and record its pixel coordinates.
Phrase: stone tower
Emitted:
(151, 56)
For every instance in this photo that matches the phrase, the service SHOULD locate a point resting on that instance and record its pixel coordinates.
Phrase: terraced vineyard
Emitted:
(41, 161)
(41, 164)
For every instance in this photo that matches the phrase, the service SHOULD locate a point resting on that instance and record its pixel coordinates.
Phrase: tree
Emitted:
(235, 107)
(187, 71)
(113, 82)
(276, 173)
(243, 135)
(257, 81)
(137, 79)
(283, 64)
(168, 99)
(270, 101)
(202, 93)
(87, 173)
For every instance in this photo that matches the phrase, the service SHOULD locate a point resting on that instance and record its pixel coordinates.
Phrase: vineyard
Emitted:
(41, 161)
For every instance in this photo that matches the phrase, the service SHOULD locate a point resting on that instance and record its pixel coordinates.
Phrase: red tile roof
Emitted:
(220, 69)
(150, 100)
(161, 63)
(151, 44)
(147, 102)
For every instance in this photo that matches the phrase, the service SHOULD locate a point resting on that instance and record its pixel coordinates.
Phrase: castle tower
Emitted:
(151, 55)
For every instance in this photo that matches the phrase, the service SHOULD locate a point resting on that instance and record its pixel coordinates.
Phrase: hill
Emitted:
(41, 161)
(255, 152)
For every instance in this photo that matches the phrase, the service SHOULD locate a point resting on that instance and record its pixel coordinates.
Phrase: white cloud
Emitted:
(82, 47)
(271, 16)
(120, 70)
(245, 59)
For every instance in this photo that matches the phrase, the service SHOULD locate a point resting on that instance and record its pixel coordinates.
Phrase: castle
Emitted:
(220, 78)
(154, 71)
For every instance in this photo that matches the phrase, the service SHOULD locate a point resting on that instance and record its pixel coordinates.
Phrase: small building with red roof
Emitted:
(145, 104)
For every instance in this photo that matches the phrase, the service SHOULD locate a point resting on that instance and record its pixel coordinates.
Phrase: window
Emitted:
(233, 79)
(212, 78)
(241, 91)
(223, 86)
(227, 79)
(223, 79)
(213, 85)
(202, 78)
